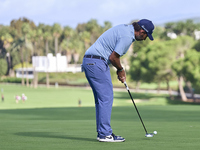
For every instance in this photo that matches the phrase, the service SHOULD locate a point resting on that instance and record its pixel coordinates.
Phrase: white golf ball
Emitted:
(154, 132)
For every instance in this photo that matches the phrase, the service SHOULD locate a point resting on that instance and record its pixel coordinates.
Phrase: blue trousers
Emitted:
(97, 73)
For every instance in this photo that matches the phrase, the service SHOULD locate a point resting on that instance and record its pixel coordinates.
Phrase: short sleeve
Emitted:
(123, 45)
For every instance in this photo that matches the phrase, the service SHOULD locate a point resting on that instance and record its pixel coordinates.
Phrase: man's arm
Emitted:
(115, 61)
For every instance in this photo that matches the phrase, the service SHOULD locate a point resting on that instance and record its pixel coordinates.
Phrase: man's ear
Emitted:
(142, 31)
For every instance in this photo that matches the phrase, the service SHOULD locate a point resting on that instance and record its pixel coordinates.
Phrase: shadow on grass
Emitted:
(60, 113)
(178, 101)
(146, 96)
(125, 95)
(52, 135)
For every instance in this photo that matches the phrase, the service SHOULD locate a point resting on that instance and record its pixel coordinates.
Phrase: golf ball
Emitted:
(155, 132)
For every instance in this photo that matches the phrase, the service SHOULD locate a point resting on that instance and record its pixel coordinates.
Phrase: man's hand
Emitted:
(121, 75)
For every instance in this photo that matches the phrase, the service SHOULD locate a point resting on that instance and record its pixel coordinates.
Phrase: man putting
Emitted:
(108, 48)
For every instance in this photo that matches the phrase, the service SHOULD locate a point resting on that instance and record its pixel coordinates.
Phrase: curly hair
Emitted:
(136, 26)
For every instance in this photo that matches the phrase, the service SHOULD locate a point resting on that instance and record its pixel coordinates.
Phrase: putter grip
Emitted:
(126, 86)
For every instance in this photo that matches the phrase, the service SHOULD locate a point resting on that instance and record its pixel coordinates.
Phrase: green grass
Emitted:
(68, 97)
(51, 119)
(79, 79)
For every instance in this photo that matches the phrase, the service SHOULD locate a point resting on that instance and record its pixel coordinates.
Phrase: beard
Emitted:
(139, 38)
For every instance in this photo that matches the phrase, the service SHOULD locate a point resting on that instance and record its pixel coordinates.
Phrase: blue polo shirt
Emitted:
(118, 39)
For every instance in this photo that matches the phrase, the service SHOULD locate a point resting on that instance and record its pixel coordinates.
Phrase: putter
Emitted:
(147, 134)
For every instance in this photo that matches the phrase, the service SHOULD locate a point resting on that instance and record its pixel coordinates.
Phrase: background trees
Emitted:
(163, 60)
(166, 59)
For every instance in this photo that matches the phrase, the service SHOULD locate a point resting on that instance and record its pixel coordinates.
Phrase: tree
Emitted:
(16, 26)
(159, 33)
(28, 46)
(36, 37)
(56, 29)
(138, 65)
(3, 67)
(19, 30)
(181, 46)
(107, 25)
(160, 57)
(197, 46)
(95, 29)
(152, 63)
(182, 27)
(191, 70)
(78, 49)
(23, 46)
(18, 45)
(67, 35)
(47, 37)
(7, 40)
(85, 37)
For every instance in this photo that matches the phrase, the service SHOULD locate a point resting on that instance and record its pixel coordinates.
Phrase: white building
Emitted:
(197, 35)
(48, 63)
(28, 73)
(172, 35)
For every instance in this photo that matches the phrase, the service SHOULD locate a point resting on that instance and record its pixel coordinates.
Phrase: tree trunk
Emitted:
(86, 44)
(190, 89)
(27, 80)
(22, 75)
(56, 50)
(22, 63)
(47, 47)
(69, 57)
(168, 88)
(9, 63)
(180, 84)
(35, 83)
(76, 57)
(47, 79)
(47, 73)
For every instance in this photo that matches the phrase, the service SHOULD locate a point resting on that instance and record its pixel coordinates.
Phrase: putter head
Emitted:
(149, 135)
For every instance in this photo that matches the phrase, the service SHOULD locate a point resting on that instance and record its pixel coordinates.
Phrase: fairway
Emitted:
(51, 119)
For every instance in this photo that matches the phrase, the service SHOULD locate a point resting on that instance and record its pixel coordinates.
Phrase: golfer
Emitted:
(108, 49)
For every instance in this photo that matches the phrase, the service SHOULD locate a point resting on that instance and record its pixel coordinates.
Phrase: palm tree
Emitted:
(47, 37)
(7, 40)
(78, 47)
(34, 39)
(28, 46)
(18, 45)
(66, 47)
(182, 44)
(68, 34)
(85, 37)
(95, 30)
(57, 30)
(107, 25)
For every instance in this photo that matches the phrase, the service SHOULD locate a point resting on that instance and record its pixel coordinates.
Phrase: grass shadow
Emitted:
(53, 135)
(125, 95)
(173, 100)
(177, 101)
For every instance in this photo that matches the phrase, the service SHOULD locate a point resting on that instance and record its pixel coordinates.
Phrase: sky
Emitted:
(72, 12)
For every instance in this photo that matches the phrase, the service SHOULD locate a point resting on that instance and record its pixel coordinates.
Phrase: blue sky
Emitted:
(72, 12)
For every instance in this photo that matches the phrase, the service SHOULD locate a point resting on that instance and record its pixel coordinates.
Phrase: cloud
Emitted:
(72, 12)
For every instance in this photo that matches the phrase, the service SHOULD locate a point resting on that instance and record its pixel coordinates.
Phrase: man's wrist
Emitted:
(119, 70)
